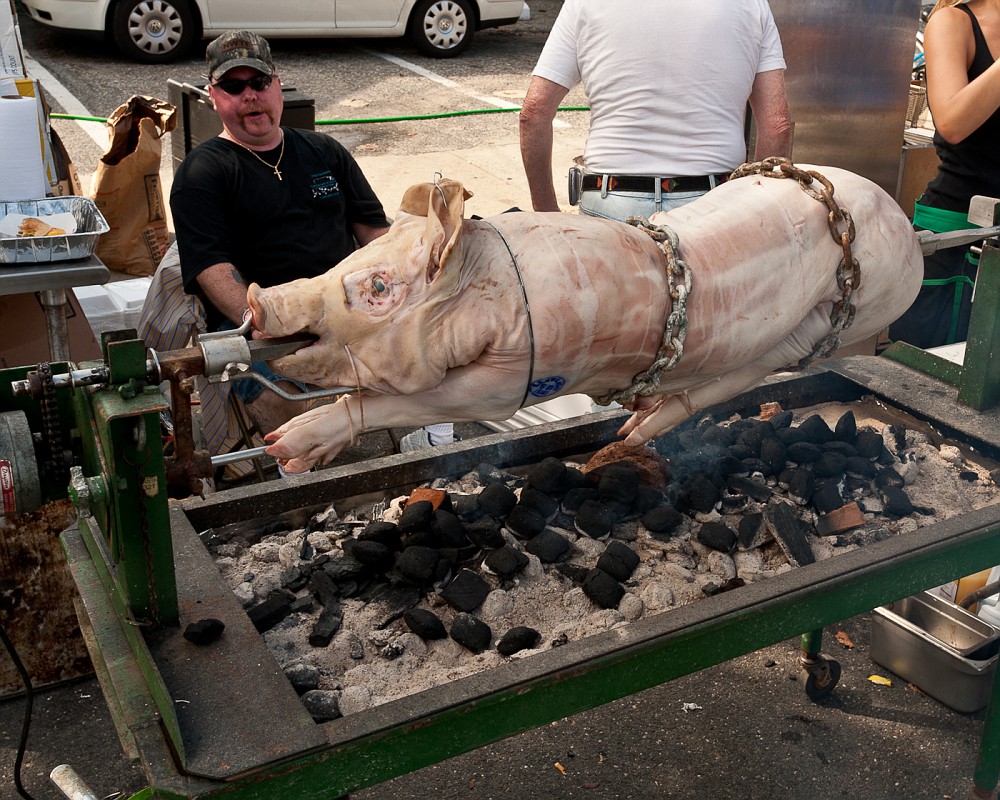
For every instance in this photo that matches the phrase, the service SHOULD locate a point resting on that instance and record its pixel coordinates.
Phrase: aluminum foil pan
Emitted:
(90, 224)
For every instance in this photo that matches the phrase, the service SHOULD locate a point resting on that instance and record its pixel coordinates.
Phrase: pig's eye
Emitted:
(379, 286)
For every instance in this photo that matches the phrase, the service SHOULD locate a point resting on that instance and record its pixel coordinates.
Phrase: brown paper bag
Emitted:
(126, 186)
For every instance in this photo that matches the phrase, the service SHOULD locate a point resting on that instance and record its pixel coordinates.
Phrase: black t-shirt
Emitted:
(227, 206)
(972, 166)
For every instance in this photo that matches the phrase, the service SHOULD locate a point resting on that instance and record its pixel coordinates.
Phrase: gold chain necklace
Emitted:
(275, 165)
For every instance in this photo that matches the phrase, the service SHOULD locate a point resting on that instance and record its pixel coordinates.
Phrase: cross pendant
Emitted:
(277, 173)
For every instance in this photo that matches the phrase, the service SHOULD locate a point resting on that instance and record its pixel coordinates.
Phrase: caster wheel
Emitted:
(823, 677)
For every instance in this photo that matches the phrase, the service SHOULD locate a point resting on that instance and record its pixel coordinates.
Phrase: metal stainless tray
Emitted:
(90, 224)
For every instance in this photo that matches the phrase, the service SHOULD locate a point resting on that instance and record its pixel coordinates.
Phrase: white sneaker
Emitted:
(419, 439)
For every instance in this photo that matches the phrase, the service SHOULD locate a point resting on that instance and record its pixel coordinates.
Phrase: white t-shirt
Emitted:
(667, 80)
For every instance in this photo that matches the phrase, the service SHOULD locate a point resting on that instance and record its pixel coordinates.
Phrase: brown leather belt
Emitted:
(645, 183)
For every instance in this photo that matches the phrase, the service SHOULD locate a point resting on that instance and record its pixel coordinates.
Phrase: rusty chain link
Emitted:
(841, 229)
(675, 328)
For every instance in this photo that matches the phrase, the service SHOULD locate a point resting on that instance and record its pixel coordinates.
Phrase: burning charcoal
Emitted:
(594, 519)
(754, 489)
(467, 507)
(575, 572)
(497, 500)
(303, 677)
(741, 452)
(617, 488)
(448, 530)
(801, 485)
(774, 454)
(489, 474)
(329, 622)
(548, 476)
(373, 554)
(322, 705)
(385, 533)
(602, 589)
(418, 564)
(859, 467)
(755, 436)
(847, 428)
(718, 536)
(485, 532)
(727, 465)
(294, 579)
(701, 493)
(345, 568)
(830, 465)
(827, 497)
(272, 610)
(473, 634)
(525, 522)
(782, 420)
(303, 605)
(618, 560)
(896, 502)
(816, 430)
(752, 531)
(467, 591)
(426, 624)
(204, 631)
(719, 436)
(574, 479)
(843, 448)
(804, 452)
(790, 436)
(733, 502)
(518, 639)
(549, 546)
(662, 521)
(539, 501)
(646, 498)
(324, 587)
(506, 561)
(416, 516)
(575, 498)
(789, 531)
(869, 444)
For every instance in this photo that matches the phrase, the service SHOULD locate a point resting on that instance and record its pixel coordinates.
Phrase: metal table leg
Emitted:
(55, 306)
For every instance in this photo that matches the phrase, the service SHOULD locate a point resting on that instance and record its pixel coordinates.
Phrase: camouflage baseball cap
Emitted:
(238, 49)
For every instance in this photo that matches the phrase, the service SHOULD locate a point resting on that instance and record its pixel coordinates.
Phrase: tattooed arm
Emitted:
(225, 288)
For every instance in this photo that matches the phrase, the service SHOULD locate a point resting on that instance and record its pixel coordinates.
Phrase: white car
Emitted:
(158, 31)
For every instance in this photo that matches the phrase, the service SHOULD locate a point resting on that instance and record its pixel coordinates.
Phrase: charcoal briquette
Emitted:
(617, 486)
(646, 498)
(830, 465)
(575, 498)
(416, 516)
(323, 705)
(869, 444)
(618, 560)
(373, 554)
(466, 591)
(448, 529)
(489, 474)
(859, 467)
(204, 631)
(846, 428)
(544, 504)
(702, 494)
(594, 519)
(844, 448)
(717, 536)
(826, 497)
(968, 475)
(506, 561)
(782, 420)
(497, 500)
(385, 533)
(741, 451)
(472, 633)
(790, 436)
(303, 677)
(525, 522)
(418, 564)
(804, 452)
(548, 476)
(485, 532)
(467, 508)
(896, 502)
(755, 436)
(548, 545)
(774, 454)
(816, 430)
(426, 624)
(573, 478)
(602, 589)
(518, 639)
(719, 436)
(661, 521)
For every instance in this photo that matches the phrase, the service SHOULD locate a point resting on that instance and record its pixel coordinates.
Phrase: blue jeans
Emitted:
(248, 389)
(622, 205)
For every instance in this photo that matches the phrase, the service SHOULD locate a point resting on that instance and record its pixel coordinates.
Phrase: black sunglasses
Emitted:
(236, 86)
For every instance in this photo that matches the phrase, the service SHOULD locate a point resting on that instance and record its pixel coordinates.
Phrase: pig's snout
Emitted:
(285, 309)
(256, 307)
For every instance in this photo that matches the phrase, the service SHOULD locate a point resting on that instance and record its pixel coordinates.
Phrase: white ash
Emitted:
(365, 665)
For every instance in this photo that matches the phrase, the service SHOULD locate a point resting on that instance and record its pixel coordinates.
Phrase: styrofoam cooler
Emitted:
(113, 306)
(129, 296)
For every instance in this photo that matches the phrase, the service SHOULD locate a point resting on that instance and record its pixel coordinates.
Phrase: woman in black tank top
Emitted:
(963, 89)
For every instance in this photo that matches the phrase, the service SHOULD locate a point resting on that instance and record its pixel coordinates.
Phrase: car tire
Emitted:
(442, 28)
(154, 31)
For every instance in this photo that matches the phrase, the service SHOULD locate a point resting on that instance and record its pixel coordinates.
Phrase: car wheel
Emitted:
(153, 31)
(442, 28)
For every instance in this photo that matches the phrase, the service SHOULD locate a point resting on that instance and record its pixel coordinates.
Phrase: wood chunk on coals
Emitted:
(272, 610)
(326, 626)
(842, 519)
(654, 469)
(438, 498)
(790, 532)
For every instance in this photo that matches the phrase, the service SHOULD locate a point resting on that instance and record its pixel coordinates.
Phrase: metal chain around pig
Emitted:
(675, 328)
(841, 229)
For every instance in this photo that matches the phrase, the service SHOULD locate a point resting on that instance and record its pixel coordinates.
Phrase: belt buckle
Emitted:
(668, 184)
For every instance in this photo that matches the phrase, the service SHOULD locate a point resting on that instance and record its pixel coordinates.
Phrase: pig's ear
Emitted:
(444, 227)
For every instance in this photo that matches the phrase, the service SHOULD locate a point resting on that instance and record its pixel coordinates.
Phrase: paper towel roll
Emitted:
(22, 176)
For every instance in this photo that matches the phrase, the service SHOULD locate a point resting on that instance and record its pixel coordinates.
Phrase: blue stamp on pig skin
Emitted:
(544, 387)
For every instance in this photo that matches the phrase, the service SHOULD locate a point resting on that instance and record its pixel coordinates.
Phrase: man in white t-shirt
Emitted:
(668, 84)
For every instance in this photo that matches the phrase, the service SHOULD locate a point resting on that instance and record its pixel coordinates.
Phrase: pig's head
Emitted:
(378, 313)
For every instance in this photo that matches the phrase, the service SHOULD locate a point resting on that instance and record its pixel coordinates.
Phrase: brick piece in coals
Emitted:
(303, 677)
(896, 502)
(329, 622)
(618, 560)
(385, 533)
(416, 516)
(448, 530)
(438, 498)
(538, 501)
(373, 554)
(525, 522)
(790, 532)
(497, 500)
(506, 562)
(826, 497)
(701, 493)
(518, 639)
(418, 564)
(466, 592)
(840, 520)
(594, 519)
(804, 452)
(816, 430)
(661, 521)
(846, 428)
(718, 536)
(548, 476)
(575, 498)
(322, 705)
(472, 633)
(426, 624)
(549, 546)
(830, 465)
(485, 532)
(602, 589)
(272, 610)
(752, 531)
(868, 443)
(204, 631)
